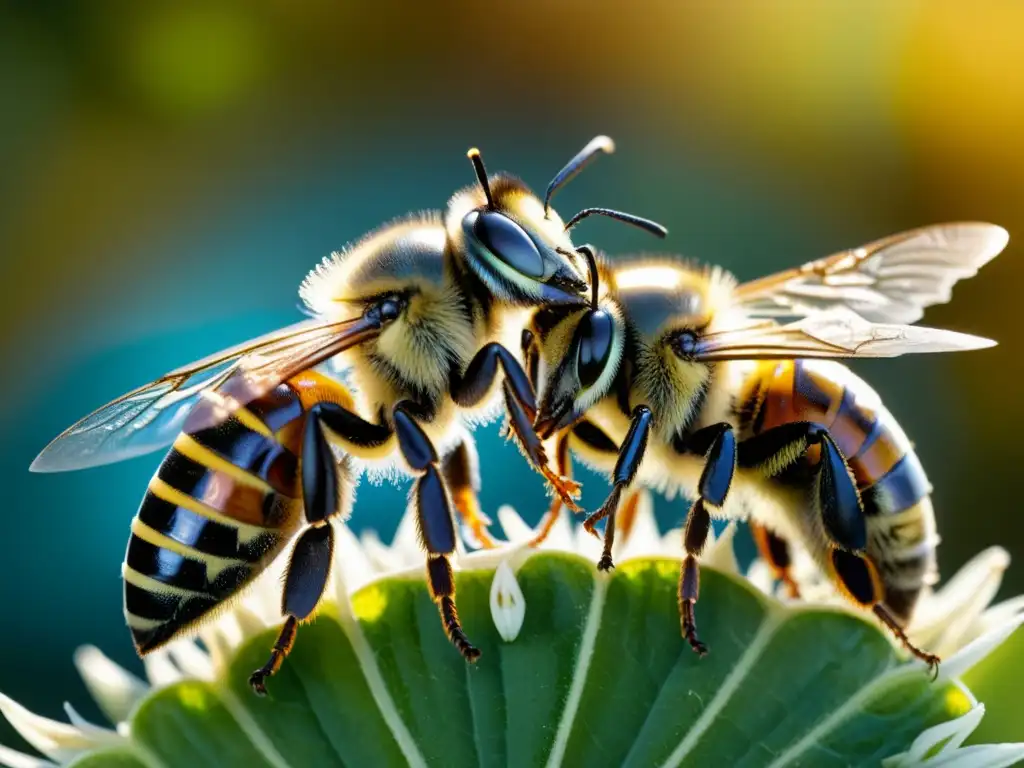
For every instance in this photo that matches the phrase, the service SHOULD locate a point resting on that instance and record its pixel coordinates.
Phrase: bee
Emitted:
(679, 378)
(264, 446)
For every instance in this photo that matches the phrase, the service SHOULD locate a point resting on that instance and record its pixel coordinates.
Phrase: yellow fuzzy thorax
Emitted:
(670, 387)
(433, 333)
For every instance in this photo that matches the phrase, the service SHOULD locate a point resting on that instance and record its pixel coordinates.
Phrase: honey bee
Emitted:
(264, 446)
(680, 379)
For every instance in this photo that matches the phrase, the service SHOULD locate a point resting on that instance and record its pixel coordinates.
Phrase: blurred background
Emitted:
(172, 169)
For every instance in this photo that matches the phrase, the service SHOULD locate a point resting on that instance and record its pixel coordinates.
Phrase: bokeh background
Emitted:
(170, 170)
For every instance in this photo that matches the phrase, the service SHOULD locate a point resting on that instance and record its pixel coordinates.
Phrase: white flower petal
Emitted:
(588, 545)
(561, 537)
(760, 575)
(978, 756)
(516, 529)
(379, 555)
(508, 605)
(956, 731)
(976, 650)
(115, 689)
(58, 741)
(249, 622)
(721, 554)
(643, 539)
(944, 620)
(160, 669)
(672, 542)
(191, 659)
(11, 759)
(352, 568)
(1000, 613)
(406, 544)
(99, 734)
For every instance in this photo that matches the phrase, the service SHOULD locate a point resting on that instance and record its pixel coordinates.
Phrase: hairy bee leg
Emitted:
(774, 550)
(631, 453)
(531, 358)
(718, 444)
(521, 425)
(436, 528)
(695, 536)
(460, 473)
(839, 503)
(324, 485)
(858, 578)
(470, 388)
(626, 517)
(304, 585)
(563, 464)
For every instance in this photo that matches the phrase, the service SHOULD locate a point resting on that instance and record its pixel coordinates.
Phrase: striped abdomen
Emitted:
(893, 485)
(219, 509)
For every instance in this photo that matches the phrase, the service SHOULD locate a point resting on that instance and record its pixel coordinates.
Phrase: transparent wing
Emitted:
(888, 281)
(834, 333)
(151, 416)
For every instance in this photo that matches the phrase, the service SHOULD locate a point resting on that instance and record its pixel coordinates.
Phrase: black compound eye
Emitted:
(390, 309)
(385, 310)
(595, 334)
(685, 344)
(508, 241)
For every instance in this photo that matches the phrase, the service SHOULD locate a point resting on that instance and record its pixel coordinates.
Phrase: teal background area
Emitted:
(172, 170)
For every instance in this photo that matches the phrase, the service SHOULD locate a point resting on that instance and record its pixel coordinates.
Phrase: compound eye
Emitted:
(508, 241)
(390, 309)
(595, 334)
(685, 344)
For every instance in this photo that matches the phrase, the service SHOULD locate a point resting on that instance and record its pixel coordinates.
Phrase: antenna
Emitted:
(588, 254)
(597, 145)
(481, 174)
(637, 221)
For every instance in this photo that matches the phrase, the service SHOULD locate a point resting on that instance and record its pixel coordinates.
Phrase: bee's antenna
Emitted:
(637, 221)
(588, 254)
(597, 145)
(481, 174)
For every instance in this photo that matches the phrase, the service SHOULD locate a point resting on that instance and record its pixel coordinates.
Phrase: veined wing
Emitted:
(836, 333)
(890, 280)
(150, 417)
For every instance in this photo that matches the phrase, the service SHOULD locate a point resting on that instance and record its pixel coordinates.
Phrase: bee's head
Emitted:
(581, 353)
(517, 246)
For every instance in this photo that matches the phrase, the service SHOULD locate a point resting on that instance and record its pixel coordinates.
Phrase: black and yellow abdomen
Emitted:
(894, 488)
(219, 509)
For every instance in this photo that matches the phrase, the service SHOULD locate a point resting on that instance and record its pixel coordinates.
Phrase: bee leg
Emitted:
(470, 388)
(326, 492)
(631, 453)
(695, 536)
(460, 473)
(835, 487)
(436, 528)
(563, 463)
(774, 550)
(304, 584)
(858, 578)
(718, 444)
(842, 517)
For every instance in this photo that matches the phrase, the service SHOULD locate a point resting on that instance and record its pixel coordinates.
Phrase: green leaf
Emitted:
(599, 675)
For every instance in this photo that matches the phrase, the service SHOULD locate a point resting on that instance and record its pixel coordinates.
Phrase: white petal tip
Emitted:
(115, 689)
(975, 651)
(508, 606)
